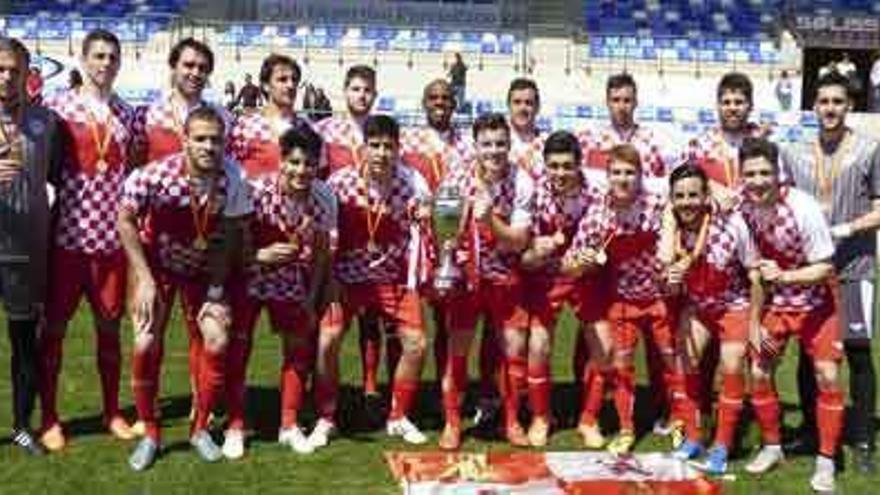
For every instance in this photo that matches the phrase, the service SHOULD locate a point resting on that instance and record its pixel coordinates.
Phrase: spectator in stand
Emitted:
(229, 99)
(74, 79)
(250, 96)
(784, 91)
(457, 79)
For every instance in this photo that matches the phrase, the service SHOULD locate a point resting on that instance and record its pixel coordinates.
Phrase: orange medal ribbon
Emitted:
(201, 216)
(102, 143)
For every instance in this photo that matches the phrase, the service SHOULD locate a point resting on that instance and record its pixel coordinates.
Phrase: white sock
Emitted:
(824, 463)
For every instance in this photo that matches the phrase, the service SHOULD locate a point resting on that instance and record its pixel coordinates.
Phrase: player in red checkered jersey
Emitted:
(181, 222)
(344, 146)
(254, 137)
(709, 279)
(158, 126)
(526, 140)
(86, 248)
(495, 231)
(621, 232)
(294, 230)
(435, 150)
(376, 267)
(795, 249)
(562, 196)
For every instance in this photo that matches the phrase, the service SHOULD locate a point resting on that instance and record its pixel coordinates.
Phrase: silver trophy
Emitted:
(448, 208)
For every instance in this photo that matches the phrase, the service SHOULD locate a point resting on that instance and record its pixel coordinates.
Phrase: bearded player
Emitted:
(86, 248)
(795, 265)
(709, 279)
(562, 196)
(381, 209)
(495, 232)
(181, 221)
(841, 167)
(293, 229)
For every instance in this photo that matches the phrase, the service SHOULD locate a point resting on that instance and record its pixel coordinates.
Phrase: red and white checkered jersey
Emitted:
(158, 126)
(343, 143)
(793, 233)
(433, 153)
(556, 213)
(396, 238)
(654, 151)
(159, 195)
(88, 198)
(254, 142)
(281, 218)
(513, 200)
(629, 237)
(718, 153)
(527, 152)
(717, 281)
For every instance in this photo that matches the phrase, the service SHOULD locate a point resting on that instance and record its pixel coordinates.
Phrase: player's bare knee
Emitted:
(413, 343)
(826, 374)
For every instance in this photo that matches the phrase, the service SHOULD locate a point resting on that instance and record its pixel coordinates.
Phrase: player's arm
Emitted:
(812, 274)
(757, 295)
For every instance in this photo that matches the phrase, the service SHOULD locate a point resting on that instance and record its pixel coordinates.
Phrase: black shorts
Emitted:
(856, 310)
(16, 291)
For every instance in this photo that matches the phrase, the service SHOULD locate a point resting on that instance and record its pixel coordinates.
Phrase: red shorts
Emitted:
(727, 326)
(628, 317)
(100, 277)
(501, 304)
(818, 332)
(546, 297)
(402, 306)
(284, 316)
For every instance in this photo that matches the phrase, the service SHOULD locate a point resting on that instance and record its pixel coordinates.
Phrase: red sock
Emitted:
(730, 404)
(693, 384)
(109, 367)
(829, 416)
(440, 343)
(195, 349)
(144, 384)
(593, 394)
(51, 352)
(454, 384)
(326, 392)
(393, 351)
(293, 374)
(517, 370)
(766, 405)
(210, 385)
(403, 395)
(539, 384)
(370, 343)
(624, 396)
(490, 360)
(237, 355)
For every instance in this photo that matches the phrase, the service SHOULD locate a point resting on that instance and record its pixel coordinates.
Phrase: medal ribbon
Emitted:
(201, 216)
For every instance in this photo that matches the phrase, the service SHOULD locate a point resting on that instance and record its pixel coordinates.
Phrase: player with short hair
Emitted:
(85, 244)
(495, 231)
(376, 265)
(562, 195)
(795, 248)
(181, 221)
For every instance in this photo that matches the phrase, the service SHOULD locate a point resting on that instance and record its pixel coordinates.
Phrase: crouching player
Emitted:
(621, 231)
(709, 275)
(562, 195)
(795, 248)
(381, 205)
(496, 223)
(293, 231)
(180, 220)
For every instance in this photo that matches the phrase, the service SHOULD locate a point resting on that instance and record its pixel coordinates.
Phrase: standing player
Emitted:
(293, 228)
(85, 247)
(842, 169)
(622, 231)
(713, 253)
(180, 222)
(496, 231)
(795, 250)
(562, 196)
(380, 207)
(344, 146)
(435, 150)
(526, 140)
(24, 227)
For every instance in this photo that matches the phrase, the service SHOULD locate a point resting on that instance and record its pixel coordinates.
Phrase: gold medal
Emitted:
(601, 257)
(101, 165)
(559, 238)
(372, 247)
(200, 243)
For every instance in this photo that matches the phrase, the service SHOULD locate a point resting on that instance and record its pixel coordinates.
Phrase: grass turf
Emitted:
(94, 463)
